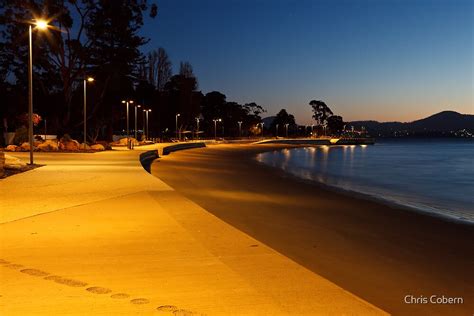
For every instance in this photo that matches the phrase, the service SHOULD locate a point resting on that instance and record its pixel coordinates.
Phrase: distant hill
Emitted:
(267, 121)
(443, 123)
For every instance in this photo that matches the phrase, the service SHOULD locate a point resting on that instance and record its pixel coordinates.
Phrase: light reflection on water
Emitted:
(436, 176)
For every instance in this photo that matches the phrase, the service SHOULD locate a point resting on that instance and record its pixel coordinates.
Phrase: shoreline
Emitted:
(425, 210)
(363, 246)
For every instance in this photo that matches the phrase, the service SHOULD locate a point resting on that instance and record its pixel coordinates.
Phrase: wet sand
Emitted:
(377, 252)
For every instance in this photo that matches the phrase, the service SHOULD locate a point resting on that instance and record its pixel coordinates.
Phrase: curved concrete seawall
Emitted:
(169, 149)
(147, 158)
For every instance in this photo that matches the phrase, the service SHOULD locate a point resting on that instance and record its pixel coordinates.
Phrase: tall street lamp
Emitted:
(143, 122)
(197, 127)
(136, 107)
(128, 121)
(40, 25)
(177, 115)
(86, 80)
(240, 128)
(215, 127)
(147, 130)
(262, 128)
(286, 127)
(276, 130)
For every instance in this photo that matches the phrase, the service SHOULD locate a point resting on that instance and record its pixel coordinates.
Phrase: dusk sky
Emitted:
(383, 60)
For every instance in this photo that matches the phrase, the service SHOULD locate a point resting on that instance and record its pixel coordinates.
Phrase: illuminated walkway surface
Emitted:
(94, 234)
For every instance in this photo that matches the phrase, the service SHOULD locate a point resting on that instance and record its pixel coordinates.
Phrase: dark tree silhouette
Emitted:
(186, 70)
(88, 37)
(59, 53)
(321, 113)
(215, 106)
(159, 68)
(282, 118)
(335, 124)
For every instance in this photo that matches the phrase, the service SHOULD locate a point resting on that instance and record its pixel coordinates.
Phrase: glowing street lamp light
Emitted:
(127, 102)
(40, 25)
(215, 127)
(240, 128)
(136, 107)
(86, 80)
(177, 115)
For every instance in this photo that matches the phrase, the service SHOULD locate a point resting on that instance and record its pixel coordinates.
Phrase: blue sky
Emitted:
(367, 59)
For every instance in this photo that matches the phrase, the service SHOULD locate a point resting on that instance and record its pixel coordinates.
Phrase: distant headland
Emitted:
(442, 124)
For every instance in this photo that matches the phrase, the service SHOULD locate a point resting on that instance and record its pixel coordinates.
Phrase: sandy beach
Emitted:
(381, 254)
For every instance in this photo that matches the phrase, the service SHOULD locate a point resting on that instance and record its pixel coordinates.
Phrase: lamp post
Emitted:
(147, 130)
(41, 25)
(128, 121)
(136, 119)
(240, 128)
(177, 115)
(86, 80)
(143, 123)
(262, 128)
(286, 127)
(276, 130)
(197, 127)
(215, 127)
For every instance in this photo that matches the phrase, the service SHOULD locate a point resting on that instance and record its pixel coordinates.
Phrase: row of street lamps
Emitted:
(145, 128)
(276, 129)
(43, 25)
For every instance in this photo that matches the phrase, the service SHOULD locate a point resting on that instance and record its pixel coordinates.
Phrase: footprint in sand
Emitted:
(139, 301)
(120, 295)
(98, 290)
(184, 312)
(34, 272)
(4, 261)
(14, 266)
(167, 308)
(65, 281)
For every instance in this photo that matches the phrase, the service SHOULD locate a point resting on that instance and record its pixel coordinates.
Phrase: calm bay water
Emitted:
(434, 175)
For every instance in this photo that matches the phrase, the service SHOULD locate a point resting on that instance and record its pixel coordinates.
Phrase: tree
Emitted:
(321, 112)
(186, 70)
(282, 118)
(182, 98)
(335, 124)
(215, 106)
(159, 68)
(59, 53)
(87, 37)
(114, 55)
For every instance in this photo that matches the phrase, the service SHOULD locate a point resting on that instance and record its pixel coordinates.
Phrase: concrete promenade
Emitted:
(94, 234)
